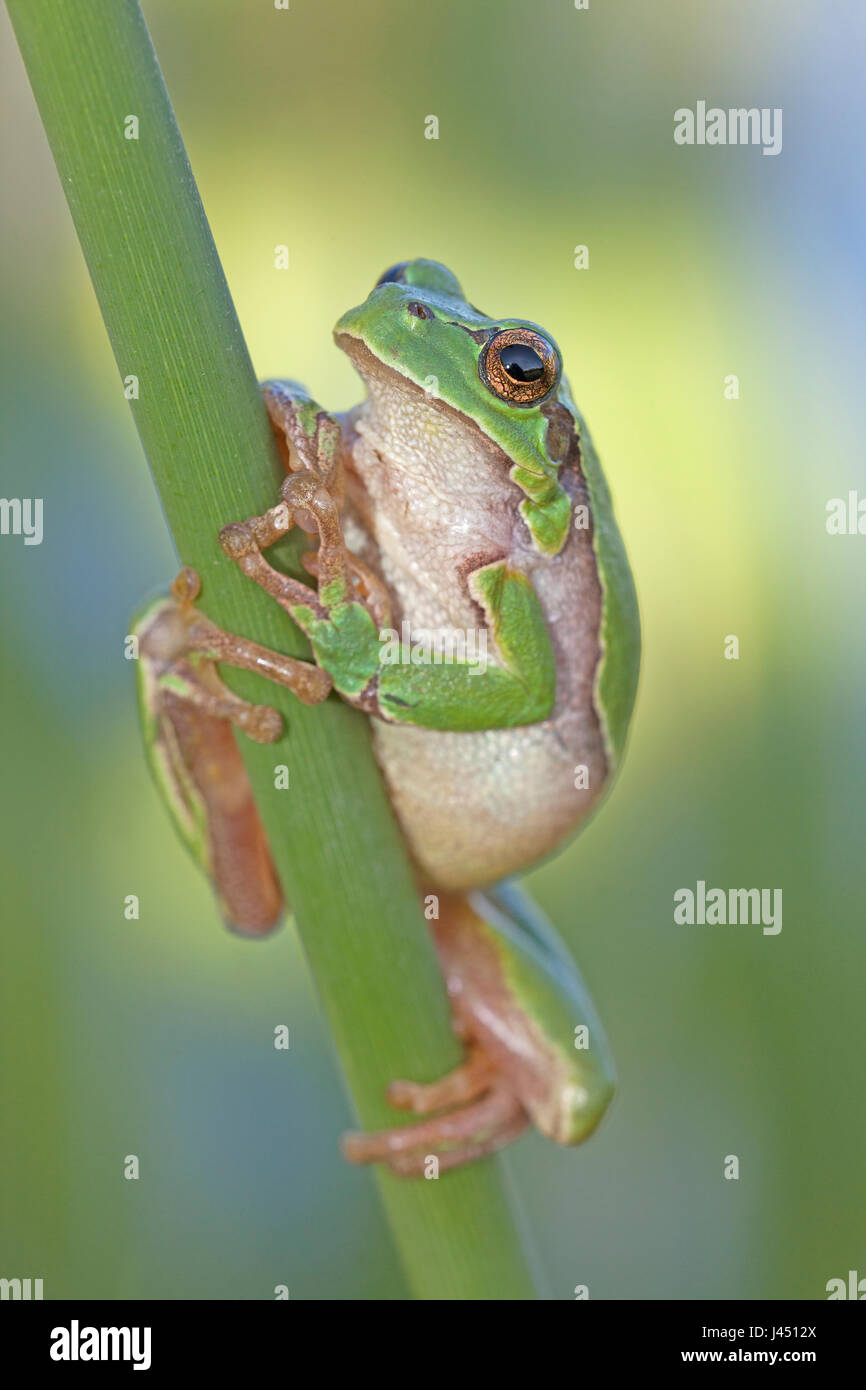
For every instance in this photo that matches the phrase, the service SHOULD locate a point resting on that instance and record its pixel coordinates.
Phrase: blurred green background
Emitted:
(154, 1037)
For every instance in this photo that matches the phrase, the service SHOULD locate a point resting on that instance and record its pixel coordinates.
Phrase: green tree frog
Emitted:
(471, 595)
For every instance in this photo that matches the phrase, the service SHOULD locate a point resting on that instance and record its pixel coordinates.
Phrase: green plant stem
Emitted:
(173, 326)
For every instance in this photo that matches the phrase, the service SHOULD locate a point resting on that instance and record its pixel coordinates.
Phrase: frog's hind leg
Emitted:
(536, 1051)
(201, 773)
(414, 1165)
(470, 1112)
(455, 1137)
(188, 715)
(466, 1082)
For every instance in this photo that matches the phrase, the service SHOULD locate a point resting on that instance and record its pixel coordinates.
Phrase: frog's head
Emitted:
(502, 375)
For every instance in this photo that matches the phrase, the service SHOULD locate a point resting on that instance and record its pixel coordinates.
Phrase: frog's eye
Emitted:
(519, 366)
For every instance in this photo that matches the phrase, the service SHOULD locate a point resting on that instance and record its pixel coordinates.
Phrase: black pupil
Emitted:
(521, 362)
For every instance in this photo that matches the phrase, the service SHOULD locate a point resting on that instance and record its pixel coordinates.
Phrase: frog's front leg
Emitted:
(347, 619)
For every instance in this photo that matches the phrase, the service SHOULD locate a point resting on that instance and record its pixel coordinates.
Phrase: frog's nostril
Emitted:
(418, 311)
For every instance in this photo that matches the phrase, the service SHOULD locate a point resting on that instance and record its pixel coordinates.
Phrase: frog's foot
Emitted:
(416, 1165)
(312, 498)
(184, 646)
(309, 436)
(367, 588)
(483, 1117)
(466, 1082)
(340, 574)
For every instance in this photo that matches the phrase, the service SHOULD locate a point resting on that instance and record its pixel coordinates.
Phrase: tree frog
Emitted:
(470, 593)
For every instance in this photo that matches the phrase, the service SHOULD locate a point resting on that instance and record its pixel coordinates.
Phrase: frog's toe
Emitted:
(237, 540)
(416, 1165)
(306, 498)
(455, 1137)
(464, 1083)
(261, 723)
(186, 587)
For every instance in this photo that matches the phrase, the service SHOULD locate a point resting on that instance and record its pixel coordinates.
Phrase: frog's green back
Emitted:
(547, 985)
(617, 674)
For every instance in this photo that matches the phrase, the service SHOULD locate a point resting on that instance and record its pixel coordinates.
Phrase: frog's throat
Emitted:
(546, 508)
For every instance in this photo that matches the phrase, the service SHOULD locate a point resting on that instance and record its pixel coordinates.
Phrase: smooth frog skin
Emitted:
(437, 500)
(463, 494)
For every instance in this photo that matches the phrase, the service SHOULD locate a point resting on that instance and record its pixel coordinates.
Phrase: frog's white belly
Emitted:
(476, 807)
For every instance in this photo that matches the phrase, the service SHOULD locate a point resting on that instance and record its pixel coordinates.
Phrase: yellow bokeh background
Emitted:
(306, 128)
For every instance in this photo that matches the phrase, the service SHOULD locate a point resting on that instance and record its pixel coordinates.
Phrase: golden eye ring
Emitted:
(519, 366)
